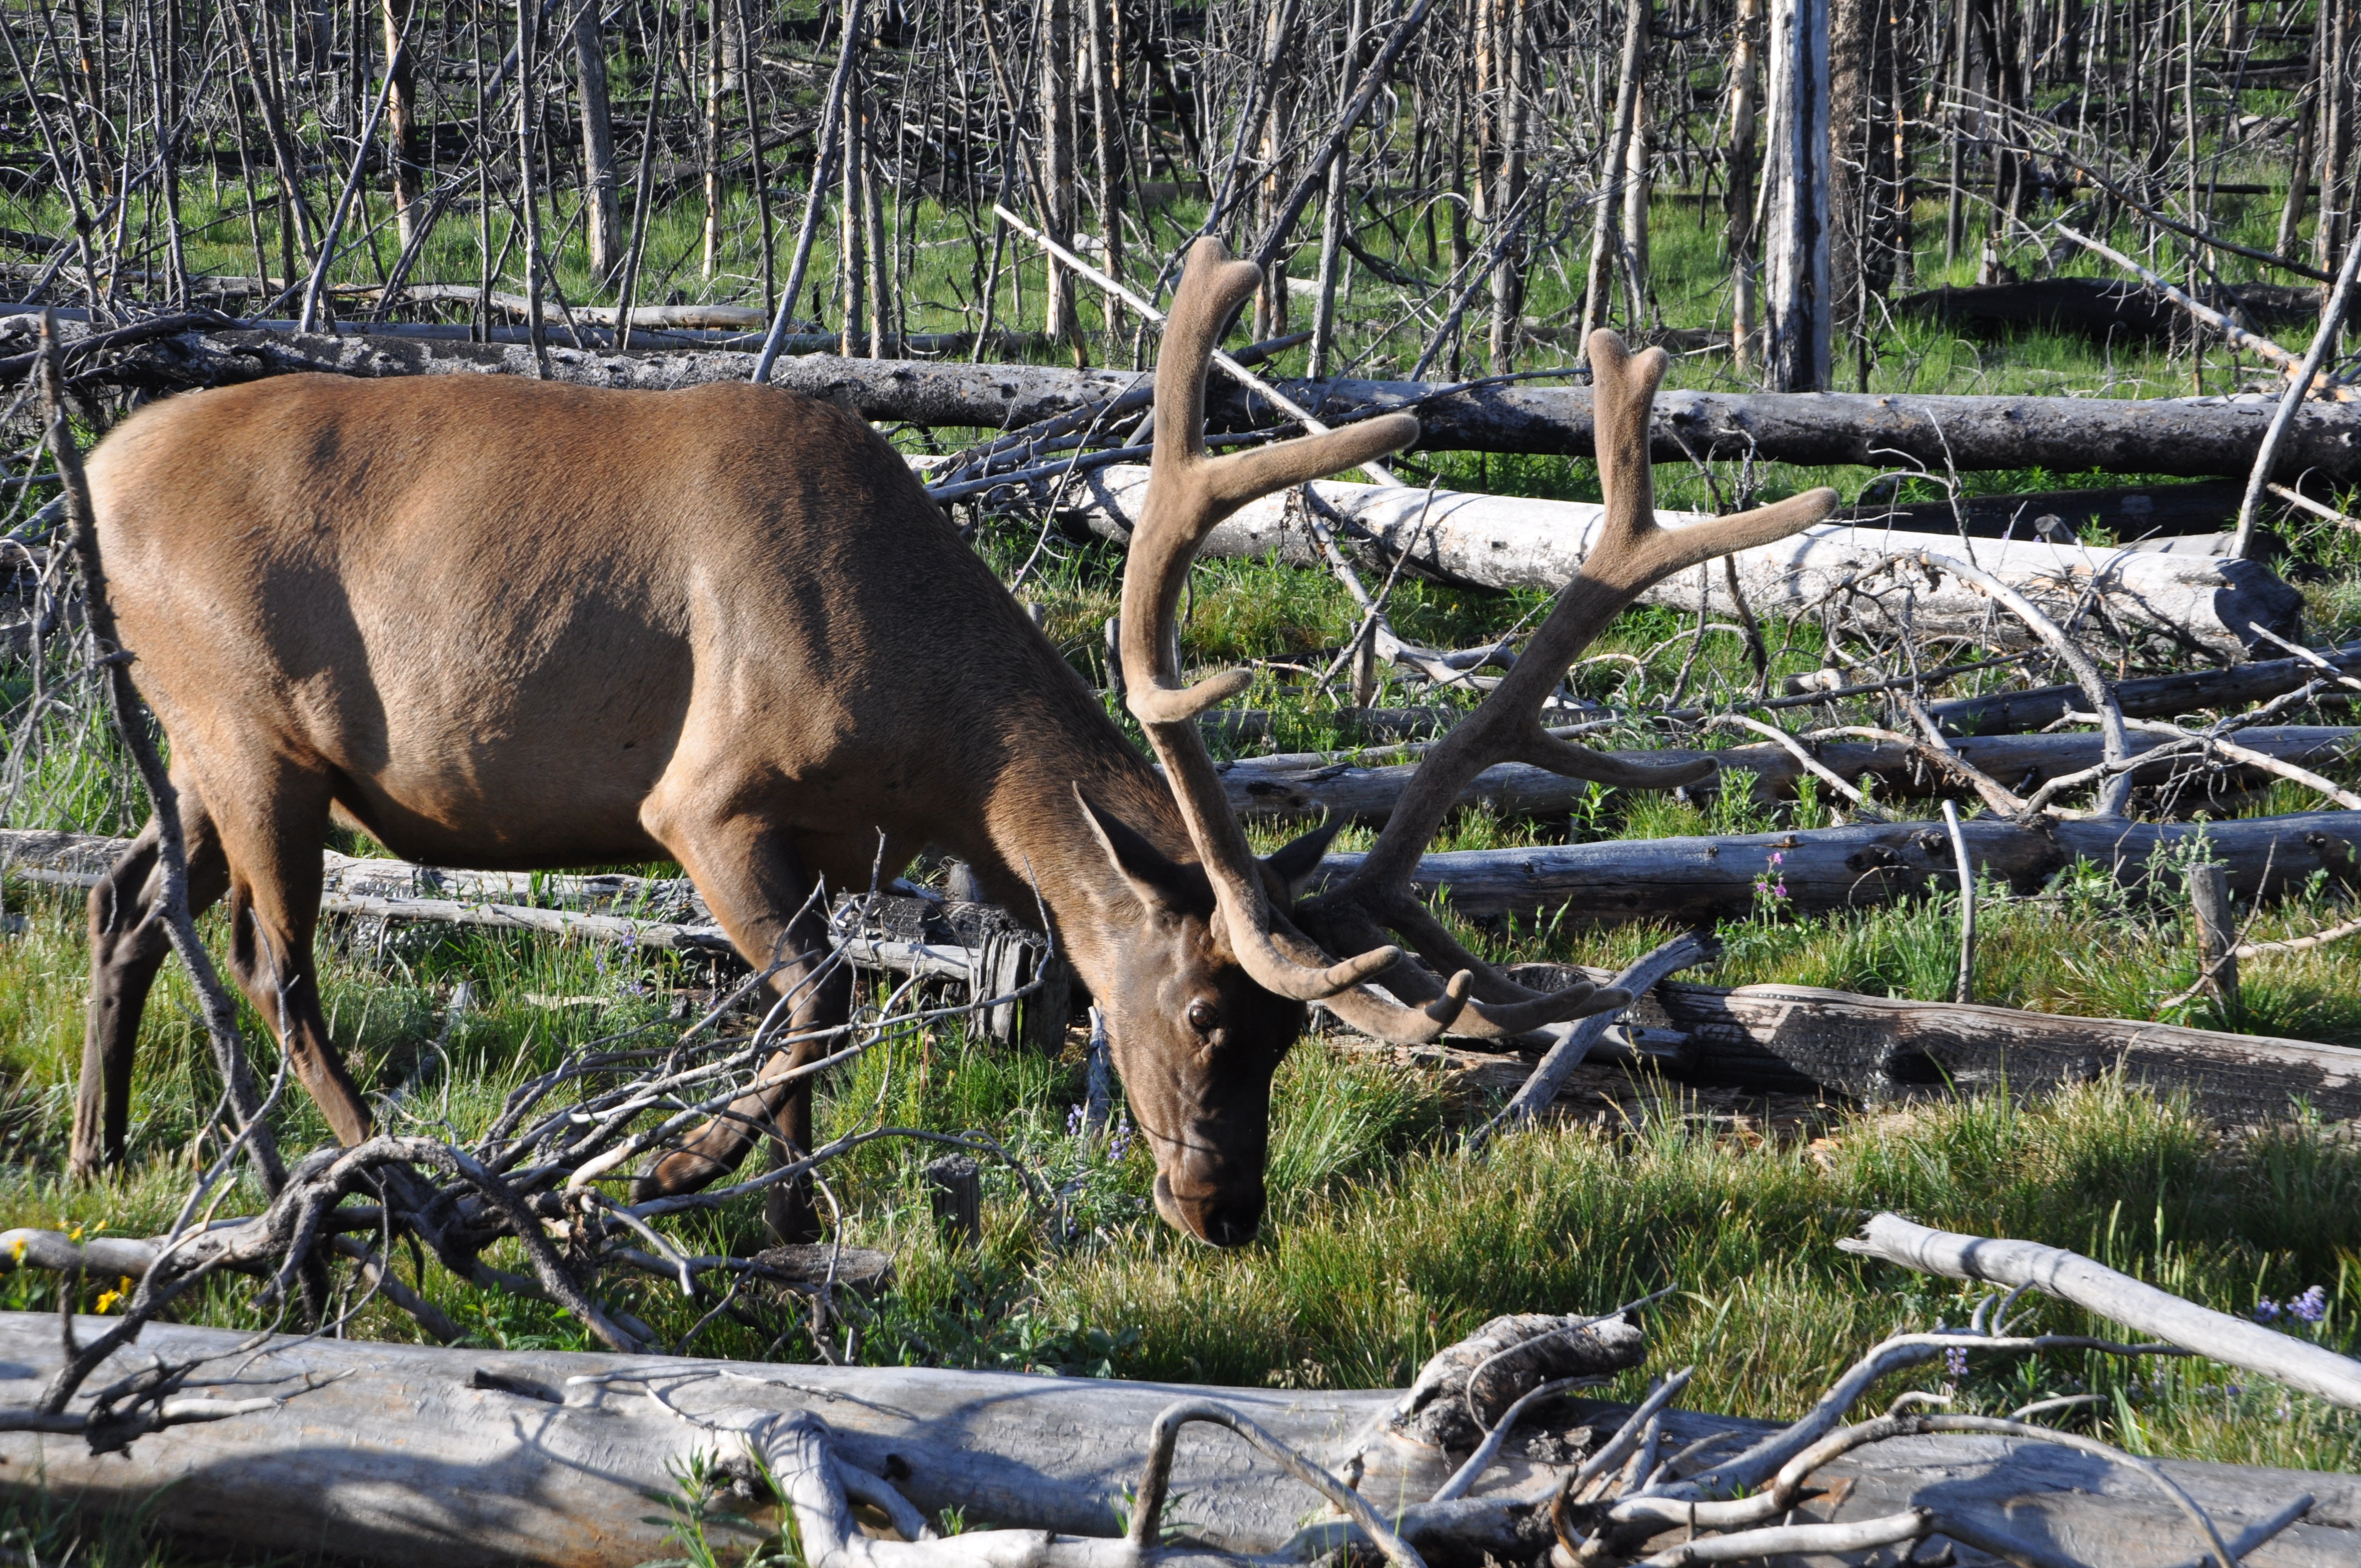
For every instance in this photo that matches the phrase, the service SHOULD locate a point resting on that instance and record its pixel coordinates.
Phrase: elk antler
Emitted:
(1631, 553)
(1188, 494)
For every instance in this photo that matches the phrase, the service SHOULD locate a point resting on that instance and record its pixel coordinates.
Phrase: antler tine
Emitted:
(1188, 494)
(1631, 552)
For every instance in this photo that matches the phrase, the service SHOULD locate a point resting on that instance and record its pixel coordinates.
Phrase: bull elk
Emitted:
(510, 626)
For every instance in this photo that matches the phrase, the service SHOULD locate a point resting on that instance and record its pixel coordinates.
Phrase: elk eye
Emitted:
(1201, 1017)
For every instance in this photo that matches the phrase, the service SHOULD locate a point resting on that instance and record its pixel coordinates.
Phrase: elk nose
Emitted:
(1220, 1219)
(1233, 1220)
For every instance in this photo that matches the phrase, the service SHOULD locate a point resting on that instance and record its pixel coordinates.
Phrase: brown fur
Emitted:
(502, 624)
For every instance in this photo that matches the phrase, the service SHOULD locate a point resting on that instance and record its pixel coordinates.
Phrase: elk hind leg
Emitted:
(273, 843)
(127, 945)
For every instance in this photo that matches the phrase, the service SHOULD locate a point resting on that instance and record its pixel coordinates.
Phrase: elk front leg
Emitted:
(128, 944)
(757, 887)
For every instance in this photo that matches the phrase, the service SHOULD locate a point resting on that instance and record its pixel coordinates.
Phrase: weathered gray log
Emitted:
(1695, 881)
(2181, 436)
(2149, 697)
(986, 952)
(476, 1457)
(1679, 881)
(2206, 602)
(913, 391)
(1309, 786)
(1878, 1049)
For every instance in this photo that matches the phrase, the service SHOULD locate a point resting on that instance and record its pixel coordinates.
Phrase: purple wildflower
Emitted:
(1955, 1364)
(1119, 1144)
(1075, 1123)
(2267, 1310)
(2312, 1306)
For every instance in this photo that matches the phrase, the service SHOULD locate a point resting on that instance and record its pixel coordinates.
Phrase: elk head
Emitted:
(1211, 986)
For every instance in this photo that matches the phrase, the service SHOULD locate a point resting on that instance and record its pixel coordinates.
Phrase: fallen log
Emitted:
(1697, 881)
(2148, 697)
(903, 392)
(2103, 308)
(973, 946)
(476, 1457)
(2194, 436)
(2197, 518)
(1306, 786)
(1677, 881)
(1880, 1049)
(2129, 597)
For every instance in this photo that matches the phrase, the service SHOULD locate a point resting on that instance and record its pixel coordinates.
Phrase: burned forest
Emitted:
(1124, 783)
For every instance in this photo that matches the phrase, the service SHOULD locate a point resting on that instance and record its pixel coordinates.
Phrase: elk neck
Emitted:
(1036, 844)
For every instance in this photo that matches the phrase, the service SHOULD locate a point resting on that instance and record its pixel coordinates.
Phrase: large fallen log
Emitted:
(1695, 881)
(1677, 881)
(474, 1457)
(975, 946)
(1306, 788)
(1878, 1049)
(2129, 597)
(2195, 436)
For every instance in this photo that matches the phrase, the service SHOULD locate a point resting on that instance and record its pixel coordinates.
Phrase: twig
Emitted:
(1966, 991)
(1228, 366)
(2332, 321)
(2116, 746)
(2239, 336)
(1574, 1040)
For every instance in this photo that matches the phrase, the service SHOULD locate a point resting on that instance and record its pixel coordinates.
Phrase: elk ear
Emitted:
(1295, 861)
(1158, 881)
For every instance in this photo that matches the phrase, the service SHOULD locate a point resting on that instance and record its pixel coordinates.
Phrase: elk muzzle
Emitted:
(1224, 1214)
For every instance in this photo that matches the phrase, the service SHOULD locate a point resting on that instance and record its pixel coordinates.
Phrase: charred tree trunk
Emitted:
(601, 212)
(1745, 178)
(401, 119)
(1799, 313)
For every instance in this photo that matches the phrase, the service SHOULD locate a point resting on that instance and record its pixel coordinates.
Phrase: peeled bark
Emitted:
(1799, 309)
(602, 215)
(2204, 602)
(401, 119)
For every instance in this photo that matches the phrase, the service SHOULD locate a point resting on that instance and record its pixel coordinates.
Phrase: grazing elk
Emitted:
(510, 625)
